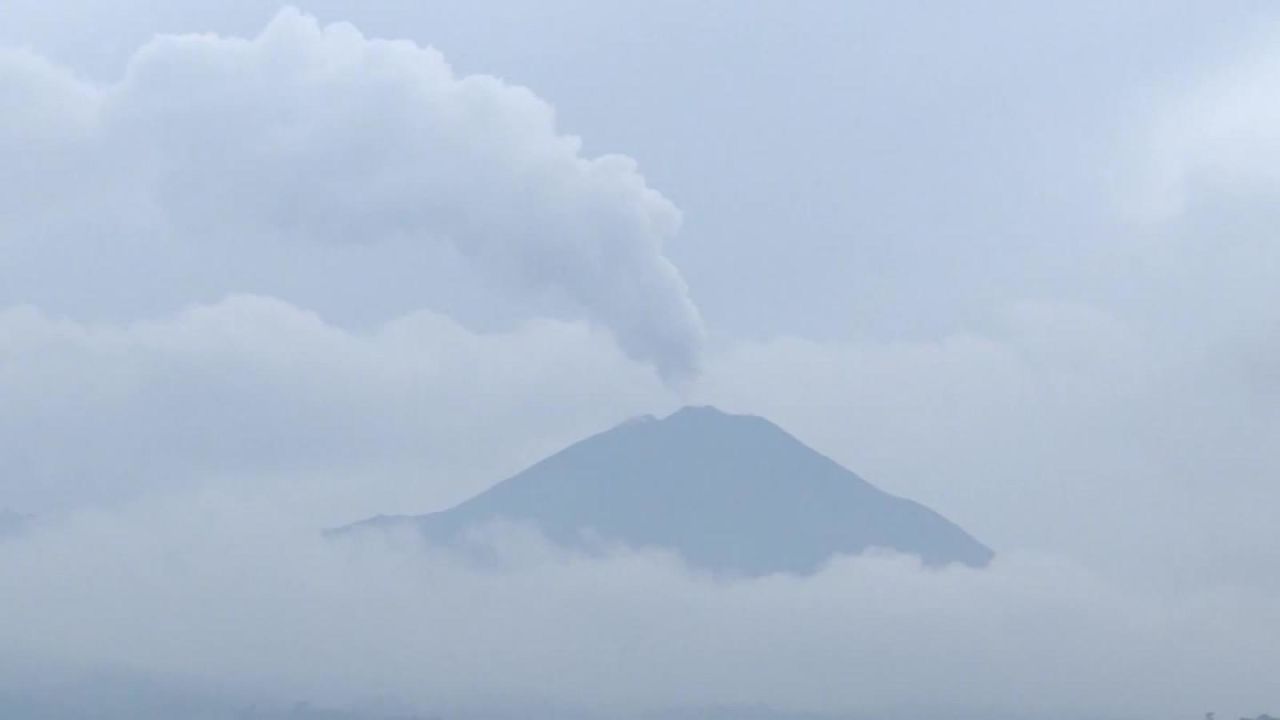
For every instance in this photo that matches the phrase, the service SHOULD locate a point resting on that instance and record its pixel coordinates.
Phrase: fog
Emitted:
(217, 592)
(265, 272)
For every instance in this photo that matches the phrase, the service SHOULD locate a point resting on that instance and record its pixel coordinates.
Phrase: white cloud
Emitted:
(243, 598)
(211, 147)
(1218, 134)
(1063, 430)
(414, 414)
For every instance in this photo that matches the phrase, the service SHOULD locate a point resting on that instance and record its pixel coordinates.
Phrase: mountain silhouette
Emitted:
(729, 493)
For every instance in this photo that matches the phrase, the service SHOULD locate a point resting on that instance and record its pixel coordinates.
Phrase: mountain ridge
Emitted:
(732, 493)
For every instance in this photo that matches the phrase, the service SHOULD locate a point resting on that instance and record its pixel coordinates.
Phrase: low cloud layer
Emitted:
(414, 414)
(216, 593)
(1062, 428)
(223, 438)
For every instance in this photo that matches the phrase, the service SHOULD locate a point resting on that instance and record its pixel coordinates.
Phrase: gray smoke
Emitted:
(317, 133)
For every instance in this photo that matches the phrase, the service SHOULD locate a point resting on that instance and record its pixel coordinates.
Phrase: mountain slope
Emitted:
(731, 493)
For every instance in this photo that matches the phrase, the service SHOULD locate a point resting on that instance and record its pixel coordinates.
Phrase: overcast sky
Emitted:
(263, 271)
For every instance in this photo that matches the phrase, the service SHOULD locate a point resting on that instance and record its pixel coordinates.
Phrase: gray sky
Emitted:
(1011, 260)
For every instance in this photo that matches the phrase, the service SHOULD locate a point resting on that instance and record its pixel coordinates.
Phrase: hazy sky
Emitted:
(1015, 261)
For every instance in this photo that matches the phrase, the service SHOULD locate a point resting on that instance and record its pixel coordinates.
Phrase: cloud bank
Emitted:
(419, 412)
(225, 436)
(240, 597)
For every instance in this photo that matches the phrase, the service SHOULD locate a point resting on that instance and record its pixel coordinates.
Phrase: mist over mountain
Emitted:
(12, 523)
(729, 493)
(267, 270)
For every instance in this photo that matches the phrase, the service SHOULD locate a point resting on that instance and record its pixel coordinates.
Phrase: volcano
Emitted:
(728, 493)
